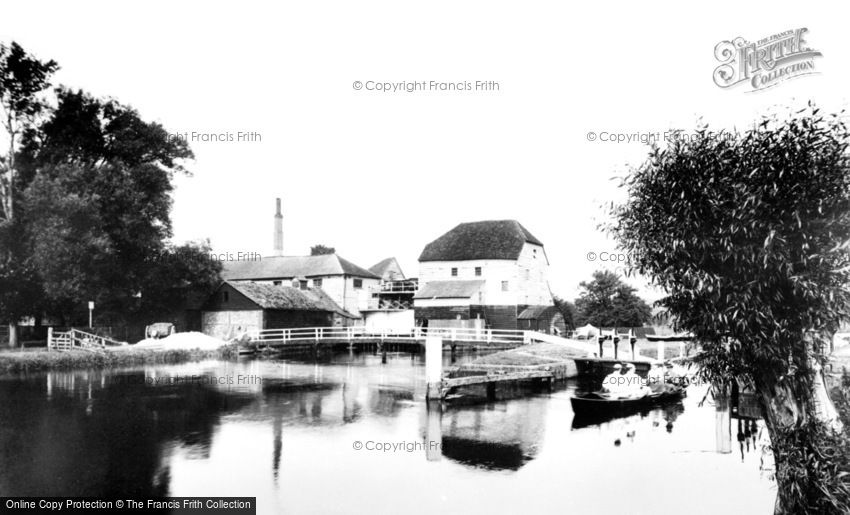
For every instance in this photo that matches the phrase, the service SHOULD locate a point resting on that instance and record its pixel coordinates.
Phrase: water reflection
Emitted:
(91, 434)
(287, 438)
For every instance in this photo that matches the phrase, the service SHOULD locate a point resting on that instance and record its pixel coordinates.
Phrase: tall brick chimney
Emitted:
(278, 230)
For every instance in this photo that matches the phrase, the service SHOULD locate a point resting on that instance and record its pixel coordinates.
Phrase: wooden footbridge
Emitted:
(488, 338)
(440, 384)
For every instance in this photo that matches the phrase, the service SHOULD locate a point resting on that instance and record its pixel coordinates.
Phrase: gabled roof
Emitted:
(288, 267)
(490, 239)
(269, 296)
(380, 268)
(449, 290)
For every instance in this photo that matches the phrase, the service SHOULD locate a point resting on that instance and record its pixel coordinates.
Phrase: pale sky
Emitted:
(381, 174)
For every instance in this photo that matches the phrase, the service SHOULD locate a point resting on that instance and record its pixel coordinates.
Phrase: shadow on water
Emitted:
(289, 436)
(503, 435)
(483, 454)
(99, 440)
(669, 411)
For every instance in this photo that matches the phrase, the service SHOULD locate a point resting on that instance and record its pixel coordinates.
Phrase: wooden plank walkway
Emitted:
(450, 383)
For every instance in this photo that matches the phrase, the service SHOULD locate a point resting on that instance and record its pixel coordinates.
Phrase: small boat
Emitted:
(672, 338)
(597, 402)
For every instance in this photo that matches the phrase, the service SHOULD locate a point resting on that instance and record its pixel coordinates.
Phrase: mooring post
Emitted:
(49, 338)
(599, 340)
(723, 420)
(434, 433)
(434, 367)
(616, 339)
(632, 342)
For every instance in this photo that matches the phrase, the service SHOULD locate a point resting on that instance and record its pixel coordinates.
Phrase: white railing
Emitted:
(77, 339)
(456, 334)
(401, 286)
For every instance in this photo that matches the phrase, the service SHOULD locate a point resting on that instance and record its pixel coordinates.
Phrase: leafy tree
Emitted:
(748, 235)
(67, 247)
(183, 278)
(567, 309)
(92, 180)
(320, 250)
(119, 166)
(607, 301)
(22, 80)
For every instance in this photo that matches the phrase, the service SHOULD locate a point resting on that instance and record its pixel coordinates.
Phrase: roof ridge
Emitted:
(484, 239)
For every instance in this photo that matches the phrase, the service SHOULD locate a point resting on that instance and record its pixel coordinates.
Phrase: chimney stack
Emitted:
(278, 230)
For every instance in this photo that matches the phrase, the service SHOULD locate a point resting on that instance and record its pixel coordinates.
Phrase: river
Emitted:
(348, 434)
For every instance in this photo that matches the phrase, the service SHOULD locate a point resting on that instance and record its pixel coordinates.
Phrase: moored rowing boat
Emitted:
(599, 402)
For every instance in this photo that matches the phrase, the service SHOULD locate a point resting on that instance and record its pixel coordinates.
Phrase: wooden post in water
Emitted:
(599, 340)
(723, 420)
(616, 339)
(434, 433)
(434, 367)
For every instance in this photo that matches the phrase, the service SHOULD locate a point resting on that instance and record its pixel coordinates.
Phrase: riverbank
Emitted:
(13, 362)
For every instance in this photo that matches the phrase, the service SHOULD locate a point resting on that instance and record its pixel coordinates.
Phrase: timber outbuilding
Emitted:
(237, 307)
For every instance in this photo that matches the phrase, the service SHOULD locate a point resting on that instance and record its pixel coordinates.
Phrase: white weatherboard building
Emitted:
(347, 284)
(482, 274)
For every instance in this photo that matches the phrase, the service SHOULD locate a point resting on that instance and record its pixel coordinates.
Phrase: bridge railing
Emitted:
(457, 334)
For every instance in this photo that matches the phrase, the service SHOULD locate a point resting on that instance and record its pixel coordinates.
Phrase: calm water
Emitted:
(285, 432)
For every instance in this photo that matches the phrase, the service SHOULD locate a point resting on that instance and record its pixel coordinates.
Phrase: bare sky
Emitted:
(381, 174)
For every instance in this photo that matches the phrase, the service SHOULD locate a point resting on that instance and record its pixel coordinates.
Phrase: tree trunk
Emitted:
(787, 416)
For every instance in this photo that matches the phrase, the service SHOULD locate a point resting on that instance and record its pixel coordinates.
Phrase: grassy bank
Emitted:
(12, 362)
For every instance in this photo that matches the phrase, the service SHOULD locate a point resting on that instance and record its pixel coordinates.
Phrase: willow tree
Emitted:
(748, 234)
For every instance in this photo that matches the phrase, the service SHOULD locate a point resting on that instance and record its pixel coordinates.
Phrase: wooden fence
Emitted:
(77, 339)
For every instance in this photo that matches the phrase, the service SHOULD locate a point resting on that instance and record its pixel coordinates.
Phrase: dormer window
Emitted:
(454, 272)
(225, 296)
(477, 271)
